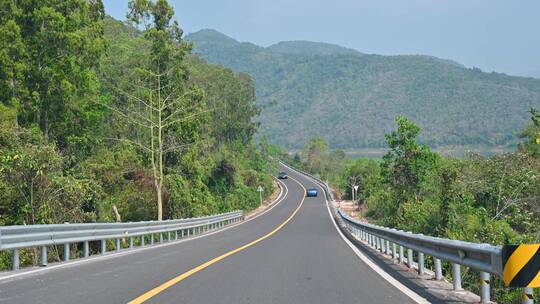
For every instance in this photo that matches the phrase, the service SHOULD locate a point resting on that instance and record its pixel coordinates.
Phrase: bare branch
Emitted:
(130, 142)
(179, 111)
(185, 118)
(124, 115)
(136, 98)
(177, 147)
(166, 105)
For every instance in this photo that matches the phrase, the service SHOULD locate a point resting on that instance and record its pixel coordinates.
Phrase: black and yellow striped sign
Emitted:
(521, 265)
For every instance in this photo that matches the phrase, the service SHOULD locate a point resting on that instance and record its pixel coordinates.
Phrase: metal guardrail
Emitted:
(484, 258)
(18, 237)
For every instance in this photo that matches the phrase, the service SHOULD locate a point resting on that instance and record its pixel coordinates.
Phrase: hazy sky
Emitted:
(500, 35)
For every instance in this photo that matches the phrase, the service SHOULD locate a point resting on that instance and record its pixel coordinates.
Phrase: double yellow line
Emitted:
(149, 294)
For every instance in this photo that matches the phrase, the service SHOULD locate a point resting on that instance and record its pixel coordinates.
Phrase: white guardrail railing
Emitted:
(484, 258)
(19, 237)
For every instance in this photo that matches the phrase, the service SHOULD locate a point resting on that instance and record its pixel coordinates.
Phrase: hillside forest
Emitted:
(103, 121)
(351, 98)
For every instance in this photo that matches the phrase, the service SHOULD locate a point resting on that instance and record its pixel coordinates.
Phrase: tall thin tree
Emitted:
(160, 102)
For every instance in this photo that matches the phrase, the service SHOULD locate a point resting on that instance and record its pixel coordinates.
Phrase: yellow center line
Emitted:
(151, 293)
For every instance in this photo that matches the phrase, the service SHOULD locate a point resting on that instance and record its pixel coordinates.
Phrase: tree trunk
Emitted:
(159, 203)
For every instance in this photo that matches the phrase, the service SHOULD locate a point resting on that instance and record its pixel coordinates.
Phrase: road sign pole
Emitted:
(260, 190)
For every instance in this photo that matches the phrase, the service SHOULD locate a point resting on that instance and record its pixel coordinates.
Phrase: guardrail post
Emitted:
(528, 296)
(152, 239)
(409, 258)
(66, 252)
(393, 251)
(161, 237)
(118, 245)
(130, 242)
(103, 246)
(43, 261)
(387, 247)
(16, 259)
(401, 254)
(484, 287)
(420, 263)
(438, 269)
(86, 249)
(456, 276)
(142, 240)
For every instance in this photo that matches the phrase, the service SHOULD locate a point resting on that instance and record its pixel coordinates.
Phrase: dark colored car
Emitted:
(312, 192)
(282, 175)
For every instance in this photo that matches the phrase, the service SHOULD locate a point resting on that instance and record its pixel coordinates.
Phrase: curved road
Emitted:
(303, 261)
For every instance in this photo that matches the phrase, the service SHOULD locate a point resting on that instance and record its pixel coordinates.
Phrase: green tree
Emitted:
(364, 173)
(315, 154)
(407, 164)
(531, 134)
(161, 104)
(51, 60)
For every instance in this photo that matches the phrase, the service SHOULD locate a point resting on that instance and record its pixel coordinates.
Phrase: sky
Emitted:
(494, 35)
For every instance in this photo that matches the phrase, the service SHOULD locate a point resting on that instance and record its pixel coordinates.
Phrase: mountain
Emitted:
(352, 99)
(310, 48)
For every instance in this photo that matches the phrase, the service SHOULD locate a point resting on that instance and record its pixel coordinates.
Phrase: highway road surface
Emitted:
(291, 254)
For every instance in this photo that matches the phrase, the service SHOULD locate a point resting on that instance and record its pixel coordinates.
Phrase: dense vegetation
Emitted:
(101, 121)
(351, 99)
(493, 200)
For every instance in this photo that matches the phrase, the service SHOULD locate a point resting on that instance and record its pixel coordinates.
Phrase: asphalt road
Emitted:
(305, 261)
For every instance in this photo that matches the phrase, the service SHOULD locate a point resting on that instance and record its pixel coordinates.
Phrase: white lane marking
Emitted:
(385, 275)
(283, 194)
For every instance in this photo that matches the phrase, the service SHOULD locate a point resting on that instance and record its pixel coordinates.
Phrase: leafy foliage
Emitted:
(531, 135)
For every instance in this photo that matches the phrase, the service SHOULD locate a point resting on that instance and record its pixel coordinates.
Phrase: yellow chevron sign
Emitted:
(521, 265)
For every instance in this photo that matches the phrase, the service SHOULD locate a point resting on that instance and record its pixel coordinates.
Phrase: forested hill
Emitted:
(351, 98)
(109, 123)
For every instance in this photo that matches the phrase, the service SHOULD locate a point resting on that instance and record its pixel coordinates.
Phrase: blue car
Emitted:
(311, 192)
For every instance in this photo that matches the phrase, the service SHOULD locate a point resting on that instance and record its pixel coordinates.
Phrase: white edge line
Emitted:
(385, 275)
(114, 254)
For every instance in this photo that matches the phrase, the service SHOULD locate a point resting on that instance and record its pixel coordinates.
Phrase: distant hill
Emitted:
(310, 48)
(351, 98)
